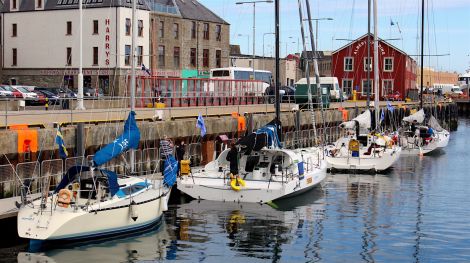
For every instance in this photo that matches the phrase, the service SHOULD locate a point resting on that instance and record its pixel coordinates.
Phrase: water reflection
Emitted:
(155, 244)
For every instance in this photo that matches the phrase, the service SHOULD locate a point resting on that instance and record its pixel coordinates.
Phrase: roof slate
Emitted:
(192, 9)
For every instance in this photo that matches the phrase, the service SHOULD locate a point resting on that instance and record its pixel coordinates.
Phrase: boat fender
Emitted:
(237, 184)
(133, 212)
(64, 197)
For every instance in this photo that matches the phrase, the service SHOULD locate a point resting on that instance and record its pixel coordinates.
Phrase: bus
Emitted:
(262, 78)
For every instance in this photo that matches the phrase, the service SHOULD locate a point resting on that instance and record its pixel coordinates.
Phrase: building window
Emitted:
(367, 85)
(39, 4)
(206, 31)
(348, 87)
(140, 28)
(176, 30)
(348, 63)
(205, 58)
(69, 27)
(368, 63)
(13, 5)
(127, 57)
(14, 57)
(69, 56)
(388, 64)
(95, 56)
(140, 55)
(161, 56)
(176, 57)
(95, 27)
(128, 26)
(218, 58)
(387, 87)
(193, 30)
(193, 57)
(14, 30)
(218, 32)
(161, 30)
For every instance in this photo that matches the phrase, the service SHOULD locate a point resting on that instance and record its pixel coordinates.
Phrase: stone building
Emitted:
(41, 43)
(432, 77)
(187, 39)
(324, 63)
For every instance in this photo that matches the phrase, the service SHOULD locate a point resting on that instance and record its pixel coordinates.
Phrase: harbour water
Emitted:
(418, 212)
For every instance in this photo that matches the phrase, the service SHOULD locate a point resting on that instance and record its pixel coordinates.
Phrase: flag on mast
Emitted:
(59, 139)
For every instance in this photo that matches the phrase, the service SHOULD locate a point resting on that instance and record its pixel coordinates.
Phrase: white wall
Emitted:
(41, 40)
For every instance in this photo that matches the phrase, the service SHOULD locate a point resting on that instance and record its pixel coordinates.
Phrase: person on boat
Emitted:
(232, 157)
(413, 127)
(180, 154)
(166, 149)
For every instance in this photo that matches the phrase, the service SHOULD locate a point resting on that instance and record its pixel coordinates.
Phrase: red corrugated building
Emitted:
(397, 70)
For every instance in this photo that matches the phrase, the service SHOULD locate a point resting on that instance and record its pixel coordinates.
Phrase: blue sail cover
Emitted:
(170, 171)
(129, 138)
(271, 134)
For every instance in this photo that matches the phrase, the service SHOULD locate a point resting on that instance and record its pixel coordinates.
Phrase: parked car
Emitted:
(27, 95)
(287, 94)
(92, 92)
(394, 96)
(62, 92)
(41, 98)
(6, 91)
(53, 99)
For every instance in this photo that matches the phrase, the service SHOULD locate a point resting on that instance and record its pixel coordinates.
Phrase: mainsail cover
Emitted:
(129, 138)
(363, 119)
(418, 117)
(266, 136)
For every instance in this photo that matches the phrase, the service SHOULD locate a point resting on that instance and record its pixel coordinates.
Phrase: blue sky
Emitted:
(447, 28)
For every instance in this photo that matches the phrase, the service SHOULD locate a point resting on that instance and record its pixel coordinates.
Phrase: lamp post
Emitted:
(316, 27)
(254, 27)
(247, 42)
(264, 57)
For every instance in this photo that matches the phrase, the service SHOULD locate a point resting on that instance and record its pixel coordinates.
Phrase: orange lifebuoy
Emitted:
(64, 198)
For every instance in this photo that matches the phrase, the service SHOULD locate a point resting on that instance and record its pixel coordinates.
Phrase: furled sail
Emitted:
(266, 136)
(129, 138)
(363, 119)
(418, 117)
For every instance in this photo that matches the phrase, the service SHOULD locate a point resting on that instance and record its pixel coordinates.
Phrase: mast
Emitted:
(422, 53)
(368, 53)
(276, 75)
(80, 105)
(133, 57)
(315, 66)
(307, 70)
(376, 69)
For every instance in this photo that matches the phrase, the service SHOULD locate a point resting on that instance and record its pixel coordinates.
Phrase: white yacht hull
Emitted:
(410, 148)
(444, 137)
(262, 185)
(380, 162)
(255, 191)
(102, 219)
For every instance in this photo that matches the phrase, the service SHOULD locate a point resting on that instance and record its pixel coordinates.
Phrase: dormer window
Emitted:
(14, 4)
(39, 4)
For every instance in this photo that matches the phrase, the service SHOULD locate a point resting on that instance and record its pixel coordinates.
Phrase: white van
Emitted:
(443, 88)
(331, 83)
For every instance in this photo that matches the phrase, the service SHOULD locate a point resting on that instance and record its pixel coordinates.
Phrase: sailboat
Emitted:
(267, 171)
(420, 139)
(91, 201)
(360, 150)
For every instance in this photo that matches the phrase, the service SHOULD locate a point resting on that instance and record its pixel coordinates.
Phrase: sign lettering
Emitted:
(107, 39)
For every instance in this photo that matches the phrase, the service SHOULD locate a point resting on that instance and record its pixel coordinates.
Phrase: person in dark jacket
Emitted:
(232, 157)
(180, 154)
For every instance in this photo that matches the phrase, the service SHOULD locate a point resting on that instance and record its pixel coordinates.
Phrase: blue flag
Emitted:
(382, 115)
(201, 125)
(391, 22)
(390, 107)
(129, 138)
(59, 139)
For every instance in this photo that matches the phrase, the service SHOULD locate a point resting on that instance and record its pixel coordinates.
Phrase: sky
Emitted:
(447, 27)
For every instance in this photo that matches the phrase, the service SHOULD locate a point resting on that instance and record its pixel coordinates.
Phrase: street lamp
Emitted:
(264, 57)
(254, 28)
(316, 27)
(248, 41)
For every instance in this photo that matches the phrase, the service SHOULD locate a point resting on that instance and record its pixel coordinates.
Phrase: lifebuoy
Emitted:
(64, 197)
(235, 186)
